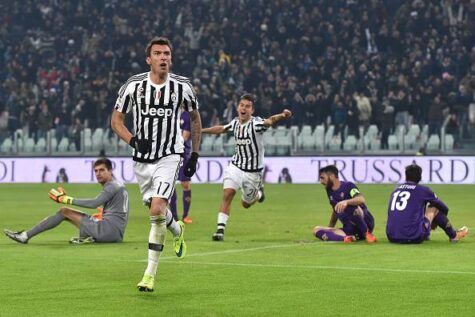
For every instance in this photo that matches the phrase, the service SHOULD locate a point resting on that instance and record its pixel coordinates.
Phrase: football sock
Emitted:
(47, 223)
(222, 220)
(328, 235)
(442, 221)
(186, 202)
(172, 225)
(156, 239)
(360, 223)
(173, 205)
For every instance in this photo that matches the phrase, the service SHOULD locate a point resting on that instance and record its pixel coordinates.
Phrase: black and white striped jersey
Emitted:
(156, 112)
(249, 151)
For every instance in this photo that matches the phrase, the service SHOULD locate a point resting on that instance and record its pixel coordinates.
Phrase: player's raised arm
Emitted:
(217, 129)
(272, 120)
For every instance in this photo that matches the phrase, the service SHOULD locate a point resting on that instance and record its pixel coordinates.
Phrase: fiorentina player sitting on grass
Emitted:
(105, 226)
(348, 206)
(414, 208)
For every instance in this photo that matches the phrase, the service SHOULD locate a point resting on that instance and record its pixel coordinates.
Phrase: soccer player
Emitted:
(348, 206)
(412, 210)
(184, 180)
(109, 226)
(245, 170)
(156, 99)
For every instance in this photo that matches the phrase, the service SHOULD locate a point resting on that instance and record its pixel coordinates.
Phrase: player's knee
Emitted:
(316, 229)
(63, 210)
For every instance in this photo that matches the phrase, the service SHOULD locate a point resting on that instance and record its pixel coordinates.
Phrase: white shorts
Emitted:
(158, 179)
(249, 182)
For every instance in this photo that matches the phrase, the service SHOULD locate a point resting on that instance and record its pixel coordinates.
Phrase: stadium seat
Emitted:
(433, 143)
(410, 141)
(28, 145)
(7, 145)
(449, 142)
(218, 145)
(350, 143)
(270, 143)
(229, 145)
(40, 145)
(335, 143)
(123, 148)
(392, 142)
(319, 137)
(63, 145)
(329, 136)
(207, 142)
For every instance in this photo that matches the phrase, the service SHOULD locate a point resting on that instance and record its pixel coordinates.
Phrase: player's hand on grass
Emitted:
(140, 145)
(341, 206)
(190, 167)
(59, 196)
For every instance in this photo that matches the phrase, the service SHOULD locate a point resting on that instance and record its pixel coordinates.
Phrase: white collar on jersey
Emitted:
(155, 85)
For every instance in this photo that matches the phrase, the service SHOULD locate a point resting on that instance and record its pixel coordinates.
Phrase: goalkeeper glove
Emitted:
(59, 196)
(140, 145)
(190, 166)
(98, 214)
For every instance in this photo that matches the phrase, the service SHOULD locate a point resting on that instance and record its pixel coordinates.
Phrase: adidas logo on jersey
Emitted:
(156, 112)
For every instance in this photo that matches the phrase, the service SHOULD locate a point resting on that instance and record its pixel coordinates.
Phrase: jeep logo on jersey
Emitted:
(156, 112)
(243, 141)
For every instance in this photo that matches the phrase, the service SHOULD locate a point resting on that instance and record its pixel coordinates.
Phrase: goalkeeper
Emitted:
(106, 226)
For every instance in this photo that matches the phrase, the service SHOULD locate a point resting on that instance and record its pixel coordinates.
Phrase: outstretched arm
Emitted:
(277, 118)
(217, 129)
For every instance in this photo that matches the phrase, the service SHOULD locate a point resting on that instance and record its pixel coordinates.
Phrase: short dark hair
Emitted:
(159, 41)
(413, 173)
(105, 161)
(250, 97)
(332, 169)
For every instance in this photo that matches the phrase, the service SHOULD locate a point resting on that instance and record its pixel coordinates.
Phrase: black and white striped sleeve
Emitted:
(190, 101)
(230, 126)
(124, 100)
(259, 126)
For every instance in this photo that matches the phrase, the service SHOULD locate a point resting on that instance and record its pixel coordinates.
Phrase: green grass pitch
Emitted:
(268, 265)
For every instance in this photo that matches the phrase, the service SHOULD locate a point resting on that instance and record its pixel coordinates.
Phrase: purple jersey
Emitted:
(406, 212)
(348, 190)
(185, 126)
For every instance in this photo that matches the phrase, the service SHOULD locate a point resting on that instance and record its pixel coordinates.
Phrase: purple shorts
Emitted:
(181, 174)
(424, 233)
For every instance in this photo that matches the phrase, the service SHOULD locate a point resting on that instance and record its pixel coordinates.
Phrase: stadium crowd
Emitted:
(345, 62)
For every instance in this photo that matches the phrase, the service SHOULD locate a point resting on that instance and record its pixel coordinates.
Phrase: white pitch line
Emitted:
(236, 250)
(326, 267)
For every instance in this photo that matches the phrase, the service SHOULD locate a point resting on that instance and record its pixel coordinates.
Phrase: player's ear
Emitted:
(148, 60)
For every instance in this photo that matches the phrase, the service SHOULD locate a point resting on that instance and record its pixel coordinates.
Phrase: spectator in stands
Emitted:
(436, 114)
(384, 48)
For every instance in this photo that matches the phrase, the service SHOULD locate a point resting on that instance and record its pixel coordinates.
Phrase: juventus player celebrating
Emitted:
(245, 171)
(156, 99)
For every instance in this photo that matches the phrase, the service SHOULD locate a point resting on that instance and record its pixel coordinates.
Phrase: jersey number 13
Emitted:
(399, 201)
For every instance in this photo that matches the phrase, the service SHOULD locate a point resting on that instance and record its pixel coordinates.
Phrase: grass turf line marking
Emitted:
(326, 267)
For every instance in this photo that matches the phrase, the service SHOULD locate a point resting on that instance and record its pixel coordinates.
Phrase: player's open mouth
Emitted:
(163, 64)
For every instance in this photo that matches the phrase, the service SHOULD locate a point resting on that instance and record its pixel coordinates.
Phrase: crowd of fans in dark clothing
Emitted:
(344, 62)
